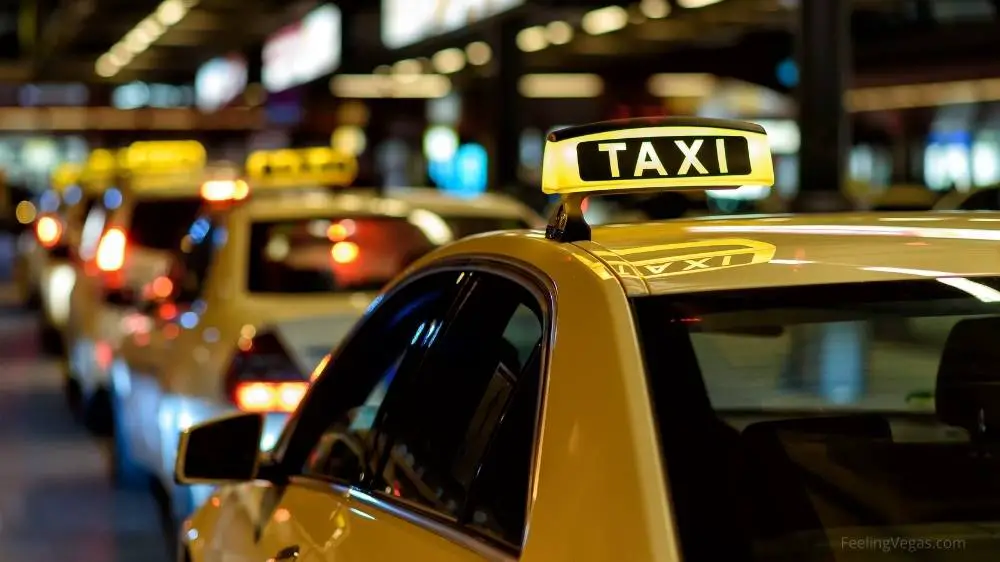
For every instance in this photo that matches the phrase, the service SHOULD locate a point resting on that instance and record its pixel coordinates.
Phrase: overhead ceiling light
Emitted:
(532, 39)
(604, 20)
(559, 33)
(105, 67)
(680, 85)
(449, 61)
(151, 27)
(171, 11)
(137, 41)
(560, 85)
(479, 53)
(654, 9)
(377, 86)
(692, 4)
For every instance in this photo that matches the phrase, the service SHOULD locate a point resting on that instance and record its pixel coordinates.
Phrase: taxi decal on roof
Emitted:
(668, 260)
(301, 166)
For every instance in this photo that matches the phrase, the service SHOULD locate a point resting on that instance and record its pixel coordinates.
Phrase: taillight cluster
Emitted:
(49, 231)
(111, 250)
(263, 377)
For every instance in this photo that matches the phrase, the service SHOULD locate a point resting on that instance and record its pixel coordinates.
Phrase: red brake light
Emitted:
(49, 230)
(269, 396)
(111, 250)
(264, 378)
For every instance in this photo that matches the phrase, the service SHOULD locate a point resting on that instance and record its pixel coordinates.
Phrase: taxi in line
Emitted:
(276, 266)
(709, 389)
(126, 241)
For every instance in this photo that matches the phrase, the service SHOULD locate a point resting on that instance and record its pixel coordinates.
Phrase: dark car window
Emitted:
(443, 414)
(324, 254)
(326, 439)
(455, 437)
(198, 247)
(800, 422)
(160, 224)
(987, 199)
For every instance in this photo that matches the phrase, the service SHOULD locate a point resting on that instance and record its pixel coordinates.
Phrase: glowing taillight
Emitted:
(111, 250)
(269, 396)
(263, 377)
(49, 231)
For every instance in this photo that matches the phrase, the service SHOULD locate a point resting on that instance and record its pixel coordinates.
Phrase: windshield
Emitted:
(347, 254)
(830, 422)
(160, 224)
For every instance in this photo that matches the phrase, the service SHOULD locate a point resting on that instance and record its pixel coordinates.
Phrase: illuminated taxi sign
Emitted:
(301, 167)
(66, 175)
(162, 156)
(100, 168)
(670, 153)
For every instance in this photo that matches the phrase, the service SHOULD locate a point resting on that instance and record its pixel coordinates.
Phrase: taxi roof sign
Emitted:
(298, 167)
(663, 153)
(65, 175)
(162, 156)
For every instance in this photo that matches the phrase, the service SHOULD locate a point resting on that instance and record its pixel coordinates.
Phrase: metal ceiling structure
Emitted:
(60, 40)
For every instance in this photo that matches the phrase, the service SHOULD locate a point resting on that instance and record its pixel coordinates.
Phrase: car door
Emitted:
(434, 461)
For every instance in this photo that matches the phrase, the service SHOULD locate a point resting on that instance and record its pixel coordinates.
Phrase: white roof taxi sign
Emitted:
(665, 153)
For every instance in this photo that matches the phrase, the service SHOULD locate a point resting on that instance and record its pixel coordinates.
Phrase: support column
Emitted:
(824, 61)
(508, 110)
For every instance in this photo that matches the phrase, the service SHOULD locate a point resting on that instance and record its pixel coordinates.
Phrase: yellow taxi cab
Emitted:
(708, 389)
(274, 269)
(126, 241)
(42, 258)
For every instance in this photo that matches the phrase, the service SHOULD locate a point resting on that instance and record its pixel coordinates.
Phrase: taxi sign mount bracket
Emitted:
(567, 223)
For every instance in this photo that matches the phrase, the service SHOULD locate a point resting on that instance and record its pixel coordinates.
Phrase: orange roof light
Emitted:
(225, 190)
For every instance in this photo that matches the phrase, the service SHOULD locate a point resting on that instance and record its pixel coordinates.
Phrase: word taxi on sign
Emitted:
(669, 153)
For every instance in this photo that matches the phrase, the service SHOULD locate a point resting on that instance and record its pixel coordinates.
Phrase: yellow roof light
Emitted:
(667, 153)
(224, 190)
(165, 156)
(649, 154)
(66, 175)
(301, 167)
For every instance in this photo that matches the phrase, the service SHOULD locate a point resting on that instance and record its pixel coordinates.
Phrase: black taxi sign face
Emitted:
(668, 153)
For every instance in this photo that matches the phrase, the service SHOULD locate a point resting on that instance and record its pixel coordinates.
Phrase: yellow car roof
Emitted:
(784, 250)
(308, 203)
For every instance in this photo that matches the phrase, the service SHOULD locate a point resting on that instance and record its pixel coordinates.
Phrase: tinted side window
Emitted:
(455, 436)
(329, 439)
(987, 199)
(198, 248)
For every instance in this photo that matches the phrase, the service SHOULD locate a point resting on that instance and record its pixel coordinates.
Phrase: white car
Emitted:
(261, 290)
(127, 240)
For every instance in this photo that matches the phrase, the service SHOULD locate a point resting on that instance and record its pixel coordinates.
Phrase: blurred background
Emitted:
(459, 94)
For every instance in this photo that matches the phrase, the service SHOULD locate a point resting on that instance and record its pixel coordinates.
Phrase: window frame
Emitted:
(543, 289)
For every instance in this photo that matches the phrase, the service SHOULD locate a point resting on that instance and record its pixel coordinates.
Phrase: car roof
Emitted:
(741, 252)
(394, 201)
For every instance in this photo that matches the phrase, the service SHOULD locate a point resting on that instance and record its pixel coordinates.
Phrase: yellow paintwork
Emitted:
(599, 490)
(561, 166)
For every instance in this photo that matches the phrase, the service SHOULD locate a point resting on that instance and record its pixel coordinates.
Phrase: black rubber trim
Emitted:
(642, 122)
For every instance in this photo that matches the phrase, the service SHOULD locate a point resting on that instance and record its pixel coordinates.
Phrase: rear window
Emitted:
(821, 422)
(348, 254)
(161, 224)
